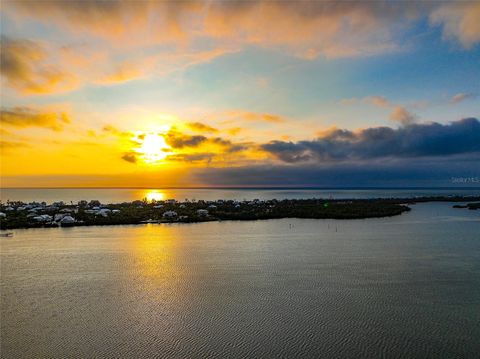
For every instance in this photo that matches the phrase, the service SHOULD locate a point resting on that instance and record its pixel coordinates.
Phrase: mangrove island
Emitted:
(88, 213)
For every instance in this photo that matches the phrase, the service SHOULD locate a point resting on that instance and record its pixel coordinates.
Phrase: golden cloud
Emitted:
(398, 113)
(35, 68)
(122, 73)
(379, 101)
(179, 34)
(234, 131)
(201, 127)
(115, 131)
(307, 29)
(25, 66)
(402, 115)
(254, 117)
(460, 20)
(22, 117)
(10, 146)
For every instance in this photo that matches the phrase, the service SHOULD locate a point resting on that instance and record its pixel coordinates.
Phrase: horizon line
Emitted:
(247, 187)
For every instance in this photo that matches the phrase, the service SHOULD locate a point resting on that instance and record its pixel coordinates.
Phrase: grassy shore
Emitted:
(471, 206)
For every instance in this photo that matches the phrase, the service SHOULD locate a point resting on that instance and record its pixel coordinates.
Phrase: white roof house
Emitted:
(202, 212)
(43, 218)
(170, 214)
(58, 216)
(67, 220)
(2, 215)
(103, 212)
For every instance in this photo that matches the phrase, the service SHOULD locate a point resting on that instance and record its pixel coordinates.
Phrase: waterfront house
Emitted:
(58, 217)
(202, 212)
(43, 218)
(103, 212)
(169, 214)
(67, 220)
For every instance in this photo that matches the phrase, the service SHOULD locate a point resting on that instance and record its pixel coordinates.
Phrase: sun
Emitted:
(153, 147)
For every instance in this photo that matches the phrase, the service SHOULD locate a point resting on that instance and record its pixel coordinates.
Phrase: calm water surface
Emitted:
(401, 287)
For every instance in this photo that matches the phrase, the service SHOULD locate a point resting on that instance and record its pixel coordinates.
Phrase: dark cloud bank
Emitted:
(412, 141)
(429, 154)
(399, 174)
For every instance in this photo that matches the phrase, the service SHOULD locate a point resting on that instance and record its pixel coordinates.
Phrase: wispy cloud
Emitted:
(115, 131)
(254, 117)
(459, 21)
(192, 157)
(307, 29)
(201, 127)
(26, 67)
(35, 68)
(398, 113)
(9, 146)
(123, 72)
(22, 117)
(460, 97)
(379, 101)
(134, 40)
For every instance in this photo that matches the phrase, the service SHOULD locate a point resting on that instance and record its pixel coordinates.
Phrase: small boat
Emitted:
(150, 221)
(8, 234)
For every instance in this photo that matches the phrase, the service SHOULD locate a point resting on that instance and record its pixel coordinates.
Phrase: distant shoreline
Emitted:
(14, 215)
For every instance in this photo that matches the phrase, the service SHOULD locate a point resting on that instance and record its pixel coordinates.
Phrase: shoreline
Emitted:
(16, 215)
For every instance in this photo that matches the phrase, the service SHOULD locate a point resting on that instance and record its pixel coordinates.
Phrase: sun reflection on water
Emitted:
(155, 252)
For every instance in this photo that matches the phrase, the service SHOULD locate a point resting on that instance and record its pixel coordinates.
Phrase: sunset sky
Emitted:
(151, 94)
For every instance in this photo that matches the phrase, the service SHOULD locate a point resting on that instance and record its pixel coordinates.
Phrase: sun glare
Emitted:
(153, 147)
(154, 195)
